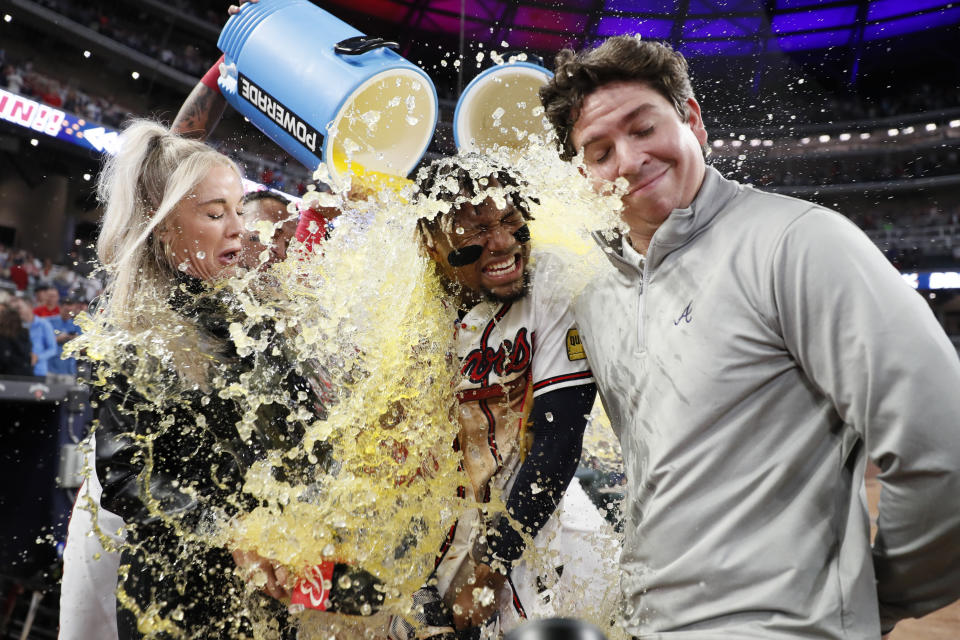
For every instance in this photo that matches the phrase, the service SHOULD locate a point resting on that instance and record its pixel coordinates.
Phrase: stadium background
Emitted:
(854, 104)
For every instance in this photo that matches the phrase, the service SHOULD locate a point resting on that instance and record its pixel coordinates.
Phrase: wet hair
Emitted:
(618, 59)
(265, 194)
(10, 324)
(458, 180)
(140, 187)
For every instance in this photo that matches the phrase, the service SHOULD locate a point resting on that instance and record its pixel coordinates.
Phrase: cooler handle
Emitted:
(361, 44)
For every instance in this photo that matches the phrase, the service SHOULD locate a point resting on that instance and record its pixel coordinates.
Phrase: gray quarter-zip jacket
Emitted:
(762, 353)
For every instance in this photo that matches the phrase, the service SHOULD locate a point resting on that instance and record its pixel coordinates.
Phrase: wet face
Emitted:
(629, 130)
(203, 231)
(284, 226)
(487, 251)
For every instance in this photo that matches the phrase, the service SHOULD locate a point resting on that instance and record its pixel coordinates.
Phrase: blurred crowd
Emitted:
(38, 303)
(810, 104)
(895, 215)
(924, 97)
(128, 30)
(19, 76)
(816, 169)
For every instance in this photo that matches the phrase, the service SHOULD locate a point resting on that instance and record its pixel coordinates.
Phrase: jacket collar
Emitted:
(212, 308)
(679, 228)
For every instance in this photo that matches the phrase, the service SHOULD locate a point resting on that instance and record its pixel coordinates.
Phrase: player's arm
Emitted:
(558, 420)
(203, 108)
(49, 349)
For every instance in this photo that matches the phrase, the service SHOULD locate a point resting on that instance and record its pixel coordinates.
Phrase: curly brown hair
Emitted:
(620, 58)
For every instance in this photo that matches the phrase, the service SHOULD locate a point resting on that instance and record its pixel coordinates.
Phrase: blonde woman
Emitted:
(169, 451)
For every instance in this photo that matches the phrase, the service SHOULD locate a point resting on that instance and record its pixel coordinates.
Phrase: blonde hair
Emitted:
(140, 186)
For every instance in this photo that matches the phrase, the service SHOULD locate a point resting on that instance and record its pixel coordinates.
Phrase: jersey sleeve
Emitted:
(560, 360)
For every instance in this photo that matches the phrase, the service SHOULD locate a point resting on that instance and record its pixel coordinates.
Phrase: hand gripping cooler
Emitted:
(501, 107)
(324, 91)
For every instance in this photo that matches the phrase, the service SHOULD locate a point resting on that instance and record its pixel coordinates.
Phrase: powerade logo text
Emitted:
(286, 119)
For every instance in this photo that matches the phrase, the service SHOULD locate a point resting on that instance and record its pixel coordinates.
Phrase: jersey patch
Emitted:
(574, 346)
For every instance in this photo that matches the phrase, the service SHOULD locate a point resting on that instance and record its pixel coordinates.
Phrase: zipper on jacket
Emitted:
(640, 344)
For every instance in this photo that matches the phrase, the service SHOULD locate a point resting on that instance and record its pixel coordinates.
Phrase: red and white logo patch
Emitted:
(311, 591)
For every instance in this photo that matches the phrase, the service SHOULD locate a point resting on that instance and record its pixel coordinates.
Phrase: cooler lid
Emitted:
(501, 106)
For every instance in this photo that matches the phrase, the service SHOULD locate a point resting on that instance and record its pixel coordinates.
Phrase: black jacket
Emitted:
(15, 355)
(163, 459)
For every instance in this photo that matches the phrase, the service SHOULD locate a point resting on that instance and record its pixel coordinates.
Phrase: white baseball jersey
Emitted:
(510, 353)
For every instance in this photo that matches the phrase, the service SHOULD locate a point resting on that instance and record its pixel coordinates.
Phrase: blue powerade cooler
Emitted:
(501, 107)
(324, 91)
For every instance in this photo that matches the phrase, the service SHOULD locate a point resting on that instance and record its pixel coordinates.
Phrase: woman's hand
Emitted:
(273, 579)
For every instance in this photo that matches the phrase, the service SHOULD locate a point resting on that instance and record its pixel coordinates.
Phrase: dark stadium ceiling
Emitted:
(697, 27)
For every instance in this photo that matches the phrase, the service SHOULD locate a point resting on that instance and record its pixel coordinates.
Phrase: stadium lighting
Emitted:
(736, 143)
(7, 17)
(907, 130)
(955, 123)
(718, 143)
(824, 138)
(754, 142)
(768, 143)
(893, 132)
(87, 177)
(865, 135)
(804, 140)
(930, 127)
(34, 142)
(844, 137)
(135, 75)
(86, 54)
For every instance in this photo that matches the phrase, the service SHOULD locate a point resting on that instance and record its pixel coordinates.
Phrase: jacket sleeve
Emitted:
(559, 419)
(133, 461)
(870, 343)
(48, 346)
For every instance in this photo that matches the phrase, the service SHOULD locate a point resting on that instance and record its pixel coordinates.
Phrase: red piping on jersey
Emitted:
(580, 375)
(516, 599)
(493, 391)
(446, 544)
(491, 433)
